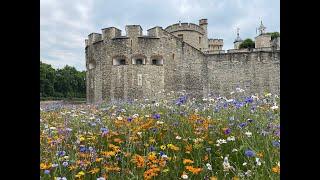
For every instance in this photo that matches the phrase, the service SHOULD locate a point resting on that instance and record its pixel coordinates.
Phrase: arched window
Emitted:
(119, 60)
(139, 59)
(157, 60)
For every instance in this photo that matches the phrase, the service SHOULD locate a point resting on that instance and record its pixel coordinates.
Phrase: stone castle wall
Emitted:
(184, 67)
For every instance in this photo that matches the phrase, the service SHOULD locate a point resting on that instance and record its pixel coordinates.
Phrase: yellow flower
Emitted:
(82, 138)
(99, 159)
(72, 168)
(163, 147)
(45, 166)
(194, 170)
(81, 173)
(213, 178)
(235, 178)
(152, 140)
(152, 156)
(94, 170)
(260, 155)
(187, 161)
(276, 169)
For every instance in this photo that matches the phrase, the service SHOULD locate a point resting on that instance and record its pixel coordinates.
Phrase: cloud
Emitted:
(66, 24)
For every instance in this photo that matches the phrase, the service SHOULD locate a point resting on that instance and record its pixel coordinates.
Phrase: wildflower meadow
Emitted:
(177, 137)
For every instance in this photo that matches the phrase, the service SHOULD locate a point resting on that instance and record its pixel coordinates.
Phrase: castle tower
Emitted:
(203, 23)
(263, 39)
(237, 41)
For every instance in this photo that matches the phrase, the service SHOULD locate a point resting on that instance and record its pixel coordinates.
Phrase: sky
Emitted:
(65, 24)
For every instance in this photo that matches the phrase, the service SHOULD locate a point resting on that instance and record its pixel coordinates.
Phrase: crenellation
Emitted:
(179, 57)
(111, 32)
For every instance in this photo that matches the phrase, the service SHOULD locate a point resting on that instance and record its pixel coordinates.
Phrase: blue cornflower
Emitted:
(156, 116)
(227, 131)
(249, 153)
(250, 120)
(152, 148)
(47, 171)
(161, 153)
(241, 125)
(249, 100)
(83, 148)
(104, 130)
(61, 153)
(129, 119)
(276, 143)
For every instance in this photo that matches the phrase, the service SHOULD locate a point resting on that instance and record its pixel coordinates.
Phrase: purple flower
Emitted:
(181, 100)
(276, 143)
(152, 148)
(242, 125)
(129, 119)
(65, 164)
(249, 100)
(227, 131)
(47, 171)
(61, 153)
(161, 153)
(104, 131)
(83, 148)
(249, 153)
(250, 120)
(156, 116)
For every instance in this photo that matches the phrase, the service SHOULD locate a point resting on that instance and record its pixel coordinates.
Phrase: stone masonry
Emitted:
(179, 57)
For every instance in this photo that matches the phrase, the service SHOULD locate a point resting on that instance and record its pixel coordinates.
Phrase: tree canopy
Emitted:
(247, 43)
(63, 83)
(274, 35)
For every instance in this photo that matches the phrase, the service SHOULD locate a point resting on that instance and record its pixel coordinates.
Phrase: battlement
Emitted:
(94, 37)
(133, 30)
(185, 27)
(154, 32)
(110, 32)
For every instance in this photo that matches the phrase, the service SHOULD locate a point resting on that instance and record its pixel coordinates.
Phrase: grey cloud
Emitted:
(65, 24)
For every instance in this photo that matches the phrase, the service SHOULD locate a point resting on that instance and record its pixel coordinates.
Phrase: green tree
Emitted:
(274, 35)
(47, 79)
(247, 43)
(63, 83)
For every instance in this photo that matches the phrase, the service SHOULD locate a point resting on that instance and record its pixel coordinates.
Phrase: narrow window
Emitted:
(154, 61)
(180, 36)
(172, 56)
(139, 61)
(199, 40)
(122, 61)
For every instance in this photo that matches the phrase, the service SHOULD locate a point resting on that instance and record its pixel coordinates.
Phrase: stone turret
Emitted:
(204, 24)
